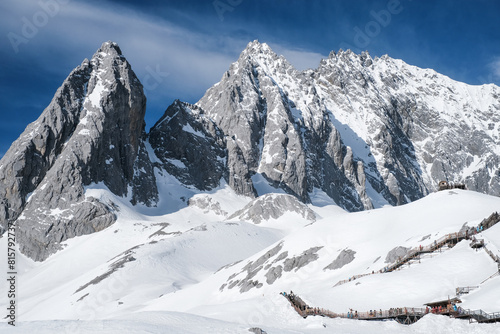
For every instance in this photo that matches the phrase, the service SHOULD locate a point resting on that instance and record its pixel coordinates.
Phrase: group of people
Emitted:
(352, 315)
(392, 312)
(373, 313)
(473, 230)
(448, 309)
(295, 301)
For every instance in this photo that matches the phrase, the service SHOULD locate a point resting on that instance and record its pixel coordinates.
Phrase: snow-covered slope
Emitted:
(250, 192)
(300, 261)
(150, 264)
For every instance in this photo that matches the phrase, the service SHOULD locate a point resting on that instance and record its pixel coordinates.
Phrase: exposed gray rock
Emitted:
(346, 256)
(302, 260)
(90, 133)
(257, 330)
(250, 284)
(352, 124)
(280, 257)
(190, 146)
(428, 236)
(273, 274)
(273, 206)
(123, 258)
(251, 269)
(207, 204)
(396, 253)
(251, 266)
(144, 189)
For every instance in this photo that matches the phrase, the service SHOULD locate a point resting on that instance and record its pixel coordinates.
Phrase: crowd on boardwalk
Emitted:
(305, 310)
(404, 315)
(448, 239)
(410, 315)
(385, 314)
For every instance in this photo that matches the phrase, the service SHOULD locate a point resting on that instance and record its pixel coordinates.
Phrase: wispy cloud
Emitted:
(494, 67)
(194, 60)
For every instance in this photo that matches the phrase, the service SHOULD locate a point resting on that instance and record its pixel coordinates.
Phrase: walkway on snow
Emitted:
(449, 240)
(403, 315)
(409, 315)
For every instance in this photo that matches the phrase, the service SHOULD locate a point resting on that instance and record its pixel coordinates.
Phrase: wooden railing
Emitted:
(465, 289)
(413, 253)
(494, 275)
(479, 315)
(452, 238)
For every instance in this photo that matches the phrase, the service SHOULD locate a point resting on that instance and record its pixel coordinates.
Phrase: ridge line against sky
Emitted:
(179, 49)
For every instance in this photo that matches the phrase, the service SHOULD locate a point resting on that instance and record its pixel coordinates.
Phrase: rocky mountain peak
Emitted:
(366, 132)
(260, 55)
(110, 47)
(256, 47)
(354, 128)
(90, 133)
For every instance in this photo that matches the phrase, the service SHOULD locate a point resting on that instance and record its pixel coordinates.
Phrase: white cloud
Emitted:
(194, 60)
(495, 67)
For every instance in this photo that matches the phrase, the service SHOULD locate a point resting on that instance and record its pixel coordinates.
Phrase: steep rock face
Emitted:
(91, 132)
(367, 131)
(255, 105)
(189, 146)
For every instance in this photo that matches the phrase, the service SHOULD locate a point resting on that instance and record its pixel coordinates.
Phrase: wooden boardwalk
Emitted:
(449, 240)
(403, 315)
(407, 315)
(478, 316)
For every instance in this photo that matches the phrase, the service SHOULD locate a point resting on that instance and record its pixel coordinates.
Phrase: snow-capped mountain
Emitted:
(251, 191)
(366, 132)
(91, 132)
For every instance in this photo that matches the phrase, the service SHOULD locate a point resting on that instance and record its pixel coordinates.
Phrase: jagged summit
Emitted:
(90, 133)
(257, 47)
(356, 127)
(109, 47)
(364, 132)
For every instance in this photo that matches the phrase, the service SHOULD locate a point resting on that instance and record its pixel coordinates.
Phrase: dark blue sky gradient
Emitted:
(187, 45)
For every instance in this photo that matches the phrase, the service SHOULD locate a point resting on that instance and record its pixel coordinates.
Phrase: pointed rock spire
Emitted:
(90, 133)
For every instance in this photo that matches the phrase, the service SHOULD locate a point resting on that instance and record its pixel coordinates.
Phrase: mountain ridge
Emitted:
(367, 132)
(91, 132)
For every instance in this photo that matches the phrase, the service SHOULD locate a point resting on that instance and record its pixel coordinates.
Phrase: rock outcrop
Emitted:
(92, 132)
(190, 146)
(273, 206)
(366, 131)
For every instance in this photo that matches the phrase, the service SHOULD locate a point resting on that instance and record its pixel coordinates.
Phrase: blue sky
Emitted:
(179, 48)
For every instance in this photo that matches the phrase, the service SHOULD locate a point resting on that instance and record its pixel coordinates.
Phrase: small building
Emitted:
(446, 304)
(443, 185)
